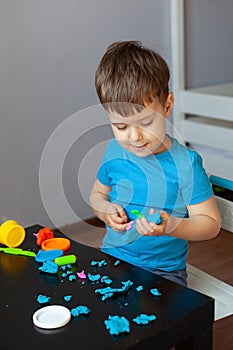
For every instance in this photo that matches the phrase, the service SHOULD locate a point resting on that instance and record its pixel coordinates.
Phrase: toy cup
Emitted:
(11, 233)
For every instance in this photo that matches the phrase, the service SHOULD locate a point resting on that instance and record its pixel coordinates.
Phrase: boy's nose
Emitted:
(135, 133)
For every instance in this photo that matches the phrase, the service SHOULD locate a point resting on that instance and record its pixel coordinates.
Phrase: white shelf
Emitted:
(225, 89)
(203, 116)
(214, 101)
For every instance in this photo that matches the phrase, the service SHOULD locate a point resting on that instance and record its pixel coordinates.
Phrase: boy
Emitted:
(145, 169)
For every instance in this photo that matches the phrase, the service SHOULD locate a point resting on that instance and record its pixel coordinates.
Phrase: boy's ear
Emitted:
(169, 104)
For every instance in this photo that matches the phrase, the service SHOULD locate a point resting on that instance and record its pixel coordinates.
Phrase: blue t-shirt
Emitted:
(167, 181)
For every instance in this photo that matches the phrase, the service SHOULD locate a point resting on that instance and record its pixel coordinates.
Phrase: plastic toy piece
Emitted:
(116, 325)
(17, 251)
(81, 274)
(65, 260)
(144, 319)
(44, 234)
(56, 243)
(11, 233)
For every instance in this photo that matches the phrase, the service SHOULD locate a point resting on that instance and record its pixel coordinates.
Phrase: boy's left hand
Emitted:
(168, 224)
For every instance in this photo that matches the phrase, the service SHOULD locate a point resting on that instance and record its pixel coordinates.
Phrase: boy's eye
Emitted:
(121, 127)
(146, 123)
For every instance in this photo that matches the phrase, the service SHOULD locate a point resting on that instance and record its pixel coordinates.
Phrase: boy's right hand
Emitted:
(115, 217)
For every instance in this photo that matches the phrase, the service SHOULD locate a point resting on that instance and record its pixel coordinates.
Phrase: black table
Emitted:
(184, 317)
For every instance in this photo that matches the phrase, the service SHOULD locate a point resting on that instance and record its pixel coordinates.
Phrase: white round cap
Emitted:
(52, 316)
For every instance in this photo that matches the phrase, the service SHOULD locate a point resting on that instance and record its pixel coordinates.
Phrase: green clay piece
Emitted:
(17, 251)
(137, 213)
(65, 260)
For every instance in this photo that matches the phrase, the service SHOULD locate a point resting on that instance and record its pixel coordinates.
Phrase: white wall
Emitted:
(209, 33)
(49, 50)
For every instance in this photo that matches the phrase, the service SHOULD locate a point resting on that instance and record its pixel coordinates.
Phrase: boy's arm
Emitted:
(111, 214)
(203, 223)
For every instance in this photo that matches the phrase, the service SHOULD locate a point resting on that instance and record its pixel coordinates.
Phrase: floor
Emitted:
(210, 271)
(212, 262)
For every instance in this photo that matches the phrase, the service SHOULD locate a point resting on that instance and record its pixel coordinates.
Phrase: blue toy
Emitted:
(131, 233)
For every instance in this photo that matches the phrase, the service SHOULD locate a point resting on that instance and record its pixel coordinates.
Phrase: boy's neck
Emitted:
(165, 146)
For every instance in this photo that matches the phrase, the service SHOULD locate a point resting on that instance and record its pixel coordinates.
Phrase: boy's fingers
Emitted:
(121, 214)
(118, 227)
(152, 211)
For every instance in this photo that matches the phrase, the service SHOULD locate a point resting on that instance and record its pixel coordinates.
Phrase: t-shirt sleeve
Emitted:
(102, 174)
(103, 171)
(197, 186)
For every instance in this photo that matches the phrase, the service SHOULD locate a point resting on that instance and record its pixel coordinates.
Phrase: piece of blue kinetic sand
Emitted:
(139, 288)
(93, 278)
(117, 262)
(116, 325)
(106, 280)
(67, 297)
(143, 319)
(155, 292)
(108, 291)
(49, 267)
(106, 296)
(72, 277)
(155, 217)
(43, 299)
(52, 254)
(99, 263)
(80, 310)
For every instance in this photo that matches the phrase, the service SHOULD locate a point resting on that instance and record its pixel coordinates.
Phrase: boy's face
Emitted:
(144, 132)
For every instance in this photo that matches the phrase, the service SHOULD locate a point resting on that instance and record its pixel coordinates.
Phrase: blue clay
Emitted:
(80, 310)
(106, 291)
(139, 288)
(99, 263)
(48, 255)
(106, 280)
(155, 292)
(67, 297)
(116, 325)
(144, 319)
(93, 278)
(49, 267)
(43, 299)
(72, 278)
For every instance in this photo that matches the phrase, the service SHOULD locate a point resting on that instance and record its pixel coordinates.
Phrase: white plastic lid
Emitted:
(52, 316)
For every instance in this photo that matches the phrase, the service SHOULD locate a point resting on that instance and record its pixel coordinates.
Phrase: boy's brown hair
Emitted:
(132, 74)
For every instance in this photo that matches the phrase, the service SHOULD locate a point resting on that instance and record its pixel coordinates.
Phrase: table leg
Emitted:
(202, 340)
